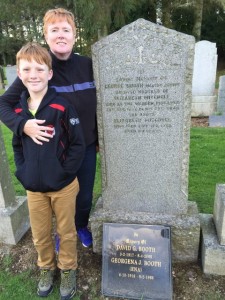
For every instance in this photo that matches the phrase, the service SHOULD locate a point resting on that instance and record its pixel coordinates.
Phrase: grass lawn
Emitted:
(207, 165)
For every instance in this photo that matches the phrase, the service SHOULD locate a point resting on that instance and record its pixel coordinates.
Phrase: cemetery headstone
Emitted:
(11, 74)
(1, 78)
(213, 235)
(217, 121)
(204, 101)
(143, 76)
(221, 95)
(137, 261)
(13, 210)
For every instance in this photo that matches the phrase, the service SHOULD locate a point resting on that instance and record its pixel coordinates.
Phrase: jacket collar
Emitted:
(48, 97)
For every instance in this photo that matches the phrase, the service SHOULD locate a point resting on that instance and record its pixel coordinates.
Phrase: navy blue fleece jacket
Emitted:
(53, 165)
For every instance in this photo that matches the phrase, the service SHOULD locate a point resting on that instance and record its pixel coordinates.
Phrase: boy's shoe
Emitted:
(68, 284)
(45, 285)
(85, 236)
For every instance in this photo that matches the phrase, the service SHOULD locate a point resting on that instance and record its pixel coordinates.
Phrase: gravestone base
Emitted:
(203, 106)
(212, 253)
(185, 228)
(14, 222)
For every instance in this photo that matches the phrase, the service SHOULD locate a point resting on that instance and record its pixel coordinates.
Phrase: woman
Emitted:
(73, 79)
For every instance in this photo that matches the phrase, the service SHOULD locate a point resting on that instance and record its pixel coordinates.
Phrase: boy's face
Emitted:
(34, 76)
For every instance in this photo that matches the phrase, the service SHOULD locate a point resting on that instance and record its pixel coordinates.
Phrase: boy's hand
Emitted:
(37, 132)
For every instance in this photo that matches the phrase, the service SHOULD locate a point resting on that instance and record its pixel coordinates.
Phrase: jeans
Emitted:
(86, 178)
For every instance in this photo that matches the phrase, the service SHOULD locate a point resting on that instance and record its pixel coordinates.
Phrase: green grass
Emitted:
(207, 165)
(23, 287)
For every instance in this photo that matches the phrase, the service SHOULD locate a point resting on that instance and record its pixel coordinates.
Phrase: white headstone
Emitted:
(205, 65)
(204, 100)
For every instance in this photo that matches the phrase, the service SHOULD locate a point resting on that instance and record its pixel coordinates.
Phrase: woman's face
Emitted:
(60, 38)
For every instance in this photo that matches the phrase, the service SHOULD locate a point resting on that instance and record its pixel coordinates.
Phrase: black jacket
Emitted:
(73, 80)
(53, 165)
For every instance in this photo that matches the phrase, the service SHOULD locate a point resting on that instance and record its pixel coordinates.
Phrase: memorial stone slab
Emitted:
(219, 212)
(205, 65)
(217, 121)
(11, 74)
(221, 95)
(13, 210)
(213, 236)
(1, 78)
(143, 75)
(204, 101)
(137, 261)
(144, 101)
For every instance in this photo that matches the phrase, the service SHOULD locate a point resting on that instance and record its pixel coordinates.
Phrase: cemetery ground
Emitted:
(19, 274)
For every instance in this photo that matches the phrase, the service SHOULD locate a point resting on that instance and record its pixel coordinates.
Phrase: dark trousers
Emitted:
(86, 178)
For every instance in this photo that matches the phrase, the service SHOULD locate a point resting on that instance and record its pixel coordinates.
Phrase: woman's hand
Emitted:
(37, 132)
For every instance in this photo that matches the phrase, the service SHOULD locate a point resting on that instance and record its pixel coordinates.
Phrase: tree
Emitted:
(20, 21)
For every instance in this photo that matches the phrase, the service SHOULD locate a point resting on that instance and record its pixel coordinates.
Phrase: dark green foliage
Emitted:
(183, 19)
(213, 26)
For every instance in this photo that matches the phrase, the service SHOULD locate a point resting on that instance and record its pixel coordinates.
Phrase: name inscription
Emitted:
(136, 258)
(143, 104)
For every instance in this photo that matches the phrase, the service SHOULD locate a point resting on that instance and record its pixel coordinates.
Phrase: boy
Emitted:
(48, 171)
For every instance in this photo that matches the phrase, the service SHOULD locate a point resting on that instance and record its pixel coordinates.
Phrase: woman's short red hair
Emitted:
(57, 15)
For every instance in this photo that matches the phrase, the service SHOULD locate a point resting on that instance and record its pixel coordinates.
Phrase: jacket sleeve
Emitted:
(18, 151)
(7, 101)
(76, 147)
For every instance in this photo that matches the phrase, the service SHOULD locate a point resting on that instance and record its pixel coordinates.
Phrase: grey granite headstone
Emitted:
(213, 235)
(1, 78)
(217, 121)
(143, 77)
(13, 210)
(219, 212)
(11, 74)
(144, 100)
(221, 95)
